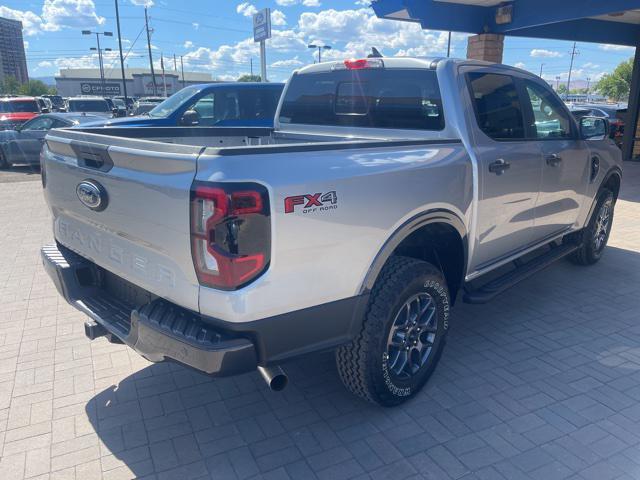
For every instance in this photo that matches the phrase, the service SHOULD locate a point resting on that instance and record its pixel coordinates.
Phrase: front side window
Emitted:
(497, 105)
(550, 121)
(39, 123)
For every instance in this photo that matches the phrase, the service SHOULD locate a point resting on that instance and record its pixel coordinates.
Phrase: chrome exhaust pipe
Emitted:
(275, 377)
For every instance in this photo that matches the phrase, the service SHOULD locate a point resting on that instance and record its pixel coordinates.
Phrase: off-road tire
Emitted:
(588, 254)
(362, 363)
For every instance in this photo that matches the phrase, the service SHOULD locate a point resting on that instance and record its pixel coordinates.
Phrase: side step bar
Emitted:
(522, 271)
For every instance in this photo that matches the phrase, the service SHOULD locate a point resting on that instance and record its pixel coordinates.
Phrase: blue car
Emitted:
(210, 105)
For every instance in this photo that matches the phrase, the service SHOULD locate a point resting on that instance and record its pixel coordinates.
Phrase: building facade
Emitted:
(13, 61)
(87, 81)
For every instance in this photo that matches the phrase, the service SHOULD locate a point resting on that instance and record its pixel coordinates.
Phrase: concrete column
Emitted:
(486, 46)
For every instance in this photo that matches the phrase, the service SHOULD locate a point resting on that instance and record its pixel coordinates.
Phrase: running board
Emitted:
(522, 271)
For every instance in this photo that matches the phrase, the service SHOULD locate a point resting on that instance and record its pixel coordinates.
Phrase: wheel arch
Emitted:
(438, 236)
(612, 180)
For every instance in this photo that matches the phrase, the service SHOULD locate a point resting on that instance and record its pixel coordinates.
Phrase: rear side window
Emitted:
(550, 120)
(497, 105)
(377, 98)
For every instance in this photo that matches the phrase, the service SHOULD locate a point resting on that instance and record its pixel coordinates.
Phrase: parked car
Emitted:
(130, 103)
(23, 144)
(86, 104)
(57, 102)
(142, 108)
(388, 188)
(44, 104)
(117, 106)
(217, 104)
(615, 114)
(14, 111)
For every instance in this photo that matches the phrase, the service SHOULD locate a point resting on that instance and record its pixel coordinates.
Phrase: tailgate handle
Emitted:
(93, 156)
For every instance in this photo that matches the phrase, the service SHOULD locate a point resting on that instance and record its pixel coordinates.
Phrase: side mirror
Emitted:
(594, 128)
(190, 118)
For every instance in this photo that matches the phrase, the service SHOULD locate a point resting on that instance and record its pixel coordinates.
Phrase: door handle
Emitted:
(499, 166)
(553, 160)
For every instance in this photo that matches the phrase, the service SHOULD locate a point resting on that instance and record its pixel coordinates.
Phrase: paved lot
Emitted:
(543, 383)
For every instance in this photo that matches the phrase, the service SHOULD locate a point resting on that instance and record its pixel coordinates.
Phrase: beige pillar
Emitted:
(486, 46)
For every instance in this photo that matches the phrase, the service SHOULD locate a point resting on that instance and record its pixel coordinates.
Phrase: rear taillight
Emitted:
(230, 233)
(359, 64)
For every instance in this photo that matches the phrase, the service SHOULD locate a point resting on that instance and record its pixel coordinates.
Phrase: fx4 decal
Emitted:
(312, 202)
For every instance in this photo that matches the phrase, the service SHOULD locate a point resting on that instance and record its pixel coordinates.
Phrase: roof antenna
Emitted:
(375, 53)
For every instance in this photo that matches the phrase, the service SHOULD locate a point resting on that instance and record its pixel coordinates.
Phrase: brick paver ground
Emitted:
(542, 383)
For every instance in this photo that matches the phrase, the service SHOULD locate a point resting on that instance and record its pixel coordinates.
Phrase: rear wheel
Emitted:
(596, 234)
(402, 336)
(3, 161)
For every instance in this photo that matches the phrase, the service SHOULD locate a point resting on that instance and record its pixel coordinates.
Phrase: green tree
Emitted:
(36, 88)
(10, 85)
(616, 85)
(562, 89)
(249, 78)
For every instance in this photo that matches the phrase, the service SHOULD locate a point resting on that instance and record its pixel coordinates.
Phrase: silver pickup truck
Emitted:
(388, 188)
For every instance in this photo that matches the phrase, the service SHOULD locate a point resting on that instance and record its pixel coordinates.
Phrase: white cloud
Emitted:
(292, 62)
(542, 53)
(195, 25)
(520, 65)
(45, 64)
(590, 65)
(306, 3)
(58, 14)
(278, 18)
(31, 23)
(246, 9)
(188, 44)
(143, 3)
(609, 47)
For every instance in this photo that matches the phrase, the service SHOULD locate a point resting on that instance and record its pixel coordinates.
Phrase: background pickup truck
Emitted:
(388, 188)
(207, 105)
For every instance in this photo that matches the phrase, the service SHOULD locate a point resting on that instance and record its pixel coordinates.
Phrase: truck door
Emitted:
(565, 159)
(509, 168)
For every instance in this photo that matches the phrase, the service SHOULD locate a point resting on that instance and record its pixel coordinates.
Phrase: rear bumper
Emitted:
(157, 330)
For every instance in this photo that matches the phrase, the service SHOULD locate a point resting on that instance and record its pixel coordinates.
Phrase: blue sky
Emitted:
(215, 36)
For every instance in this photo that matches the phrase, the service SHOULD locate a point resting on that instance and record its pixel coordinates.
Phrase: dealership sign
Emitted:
(262, 25)
(87, 88)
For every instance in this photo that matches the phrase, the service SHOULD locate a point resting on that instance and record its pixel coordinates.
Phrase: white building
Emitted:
(86, 81)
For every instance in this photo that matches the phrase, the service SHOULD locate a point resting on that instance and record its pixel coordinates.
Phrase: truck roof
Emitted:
(396, 62)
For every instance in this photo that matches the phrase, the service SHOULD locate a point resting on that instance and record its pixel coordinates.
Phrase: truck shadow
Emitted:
(501, 360)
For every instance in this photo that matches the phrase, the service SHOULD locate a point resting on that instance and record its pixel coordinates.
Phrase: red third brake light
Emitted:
(362, 63)
(230, 233)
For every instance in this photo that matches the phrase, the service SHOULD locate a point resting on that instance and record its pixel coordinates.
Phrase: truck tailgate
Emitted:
(140, 231)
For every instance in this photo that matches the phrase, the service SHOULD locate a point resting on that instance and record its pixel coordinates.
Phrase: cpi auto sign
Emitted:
(262, 25)
(87, 88)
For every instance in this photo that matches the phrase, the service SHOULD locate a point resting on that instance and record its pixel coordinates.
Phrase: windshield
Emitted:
(375, 98)
(14, 106)
(168, 106)
(88, 106)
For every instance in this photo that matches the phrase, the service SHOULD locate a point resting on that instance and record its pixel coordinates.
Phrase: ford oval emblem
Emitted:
(92, 195)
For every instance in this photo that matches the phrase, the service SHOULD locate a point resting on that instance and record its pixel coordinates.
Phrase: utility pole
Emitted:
(449, 46)
(573, 53)
(541, 65)
(124, 80)
(182, 68)
(588, 82)
(557, 82)
(153, 74)
(251, 60)
(175, 64)
(164, 80)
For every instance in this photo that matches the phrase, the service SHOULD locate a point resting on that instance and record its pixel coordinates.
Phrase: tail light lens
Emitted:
(230, 233)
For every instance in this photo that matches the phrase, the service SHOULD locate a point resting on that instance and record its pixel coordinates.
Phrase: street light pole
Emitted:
(124, 80)
(320, 48)
(97, 34)
(541, 65)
